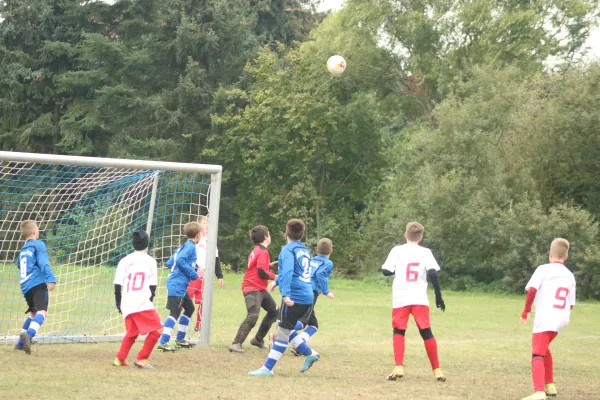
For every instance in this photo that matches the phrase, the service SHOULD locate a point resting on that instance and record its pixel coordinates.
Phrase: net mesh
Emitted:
(86, 216)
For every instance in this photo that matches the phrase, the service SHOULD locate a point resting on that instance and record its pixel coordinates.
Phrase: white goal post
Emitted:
(87, 208)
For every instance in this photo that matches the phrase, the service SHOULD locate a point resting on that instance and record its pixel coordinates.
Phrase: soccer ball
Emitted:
(336, 65)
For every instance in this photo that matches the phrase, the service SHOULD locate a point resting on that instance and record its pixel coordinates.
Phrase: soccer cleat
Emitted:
(261, 345)
(536, 396)
(183, 344)
(438, 375)
(295, 352)
(196, 330)
(236, 348)
(308, 362)
(551, 389)
(165, 348)
(26, 339)
(397, 373)
(261, 372)
(118, 363)
(143, 364)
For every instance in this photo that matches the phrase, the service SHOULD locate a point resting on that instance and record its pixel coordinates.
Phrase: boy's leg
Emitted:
(539, 343)
(311, 324)
(38, 300)
(199, 296)
(19, 345)
(269, 305)
(399, 324)
(421, 316)
(174, 307)
(147, 322)
(131, 333)
(253, 302)
(184, 321)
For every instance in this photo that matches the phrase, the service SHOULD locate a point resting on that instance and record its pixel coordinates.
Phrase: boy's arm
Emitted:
(43, 261)
(389, 267)
(153, 281)
(263, 267)
(532, 287)
(286, 271)
(322, 280)
(171, 260)
(118, 282)
(218, 270)
(186, 267)
(433, 268)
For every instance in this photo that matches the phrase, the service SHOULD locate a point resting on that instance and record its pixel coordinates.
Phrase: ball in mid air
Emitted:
(336, 65)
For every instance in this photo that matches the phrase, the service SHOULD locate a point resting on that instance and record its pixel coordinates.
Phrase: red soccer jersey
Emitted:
(258, 274)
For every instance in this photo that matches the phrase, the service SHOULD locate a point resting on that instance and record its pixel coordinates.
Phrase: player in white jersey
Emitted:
(411, 264)
(552, 290)
(135, 285)
(196, 288)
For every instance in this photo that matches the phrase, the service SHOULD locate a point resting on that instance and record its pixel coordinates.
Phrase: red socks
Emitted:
(399, 349)
(537, 373)
(149, 344)
(126, 345)
(432, 353)
(548, 368)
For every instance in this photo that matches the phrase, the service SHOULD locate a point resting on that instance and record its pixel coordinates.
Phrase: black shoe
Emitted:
(26, 339)
(261, 345)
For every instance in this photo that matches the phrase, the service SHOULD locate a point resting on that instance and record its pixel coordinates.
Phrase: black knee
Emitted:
(174, 314)
(536, 355)
(426, 333)
(272, 314)
(188, 310)
(399, 331)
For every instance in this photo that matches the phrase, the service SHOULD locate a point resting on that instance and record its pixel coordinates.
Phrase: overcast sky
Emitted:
(593, 41)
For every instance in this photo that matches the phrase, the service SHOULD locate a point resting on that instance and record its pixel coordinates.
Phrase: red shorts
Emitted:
(541, 341)
(195, 290)
(419, 313)
(141, 323)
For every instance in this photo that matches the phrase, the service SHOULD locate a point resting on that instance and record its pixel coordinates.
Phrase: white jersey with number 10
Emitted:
(410, 263)
(136, 273)
(555, 296)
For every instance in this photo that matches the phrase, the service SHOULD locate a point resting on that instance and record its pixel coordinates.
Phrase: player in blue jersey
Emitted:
(321, 268)
(297, 293)
(183, 270)
(36, 280)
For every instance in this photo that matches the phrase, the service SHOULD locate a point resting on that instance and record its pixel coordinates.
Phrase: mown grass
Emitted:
(484, 350)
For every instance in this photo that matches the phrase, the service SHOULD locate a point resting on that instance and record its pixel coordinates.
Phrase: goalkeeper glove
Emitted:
(439, 302)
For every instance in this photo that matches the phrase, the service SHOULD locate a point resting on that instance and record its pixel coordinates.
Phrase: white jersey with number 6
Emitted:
(410, 262)
(136, 273)
(555, 296)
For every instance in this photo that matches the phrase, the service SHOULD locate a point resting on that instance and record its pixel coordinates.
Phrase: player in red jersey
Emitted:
(552, 286)
(412, 264)
(135, 285)
(254, 288)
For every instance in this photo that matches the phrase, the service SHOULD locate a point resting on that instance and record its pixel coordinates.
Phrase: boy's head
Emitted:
(203, 221)
(324, 247)
(294, 230)
(559, 250)
(260, 235)
(192, 230)
(414, 232)
(140, 240)
(29, 230)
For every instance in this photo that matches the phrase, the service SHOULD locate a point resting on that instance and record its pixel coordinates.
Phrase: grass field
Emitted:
(484, 351)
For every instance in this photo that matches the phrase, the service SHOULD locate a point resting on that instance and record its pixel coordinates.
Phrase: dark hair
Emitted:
(259, 233)
(295, 229)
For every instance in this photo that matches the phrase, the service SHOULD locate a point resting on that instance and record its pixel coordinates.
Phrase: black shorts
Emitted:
(37, 298)
(310, 318)
(288, 316)
(176, 303)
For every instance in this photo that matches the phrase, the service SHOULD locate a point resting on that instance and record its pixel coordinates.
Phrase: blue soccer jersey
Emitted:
(34, 265)
(183, 269)
(321, 268)
(294, 273)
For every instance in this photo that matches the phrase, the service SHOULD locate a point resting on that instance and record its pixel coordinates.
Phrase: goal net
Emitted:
(86, 214)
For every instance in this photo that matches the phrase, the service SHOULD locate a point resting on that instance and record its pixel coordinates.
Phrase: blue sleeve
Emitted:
(286, 272)
(171, 261)
(322, 275)
(186, 267)
(43, 261)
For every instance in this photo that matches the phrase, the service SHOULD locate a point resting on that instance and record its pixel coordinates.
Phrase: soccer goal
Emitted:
(87, 208)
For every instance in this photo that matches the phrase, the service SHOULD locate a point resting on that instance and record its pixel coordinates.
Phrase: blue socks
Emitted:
(182, 329)
(25, 328)
(299, 344)
(168, 329)
(35, 324)
(275, 354)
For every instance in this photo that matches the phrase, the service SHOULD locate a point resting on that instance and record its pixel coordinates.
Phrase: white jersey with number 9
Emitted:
(555, 286)
(136, 273)
(410, 263)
